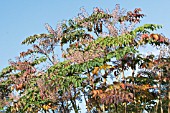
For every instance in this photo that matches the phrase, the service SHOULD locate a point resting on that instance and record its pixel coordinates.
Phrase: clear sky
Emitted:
(22, 18)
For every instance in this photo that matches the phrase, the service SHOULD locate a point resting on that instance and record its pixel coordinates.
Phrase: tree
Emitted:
(97, 51)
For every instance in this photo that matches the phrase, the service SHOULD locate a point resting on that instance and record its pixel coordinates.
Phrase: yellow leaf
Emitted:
(45, 107)
(105, 66)
(12, 88)
(95, 71)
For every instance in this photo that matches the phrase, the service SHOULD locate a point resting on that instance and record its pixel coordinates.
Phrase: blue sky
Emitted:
(22, 18)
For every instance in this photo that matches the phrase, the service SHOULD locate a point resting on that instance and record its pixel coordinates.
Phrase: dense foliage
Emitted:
(93, 59)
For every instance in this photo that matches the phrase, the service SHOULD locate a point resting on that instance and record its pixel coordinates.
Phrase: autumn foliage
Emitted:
(93, 58)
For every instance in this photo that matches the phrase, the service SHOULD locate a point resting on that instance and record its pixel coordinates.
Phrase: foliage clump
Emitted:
(97, 51)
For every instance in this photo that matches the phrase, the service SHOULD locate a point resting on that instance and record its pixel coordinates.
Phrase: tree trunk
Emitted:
(156, 108)
(74, 106)
(161, 73)
(159, 91)
(169, 98)
(103, 108)
(125, 107)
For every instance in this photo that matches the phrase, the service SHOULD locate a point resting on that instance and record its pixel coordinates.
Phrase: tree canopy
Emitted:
(91, 58)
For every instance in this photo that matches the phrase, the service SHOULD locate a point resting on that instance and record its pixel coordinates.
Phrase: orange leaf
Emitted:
(155, 36)
(95, 71)
(19, 86)
(123, 86)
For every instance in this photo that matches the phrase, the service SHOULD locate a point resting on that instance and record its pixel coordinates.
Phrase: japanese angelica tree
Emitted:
(97, 50)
